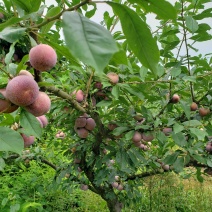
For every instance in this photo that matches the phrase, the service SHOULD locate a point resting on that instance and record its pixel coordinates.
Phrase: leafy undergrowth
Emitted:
(30, 188)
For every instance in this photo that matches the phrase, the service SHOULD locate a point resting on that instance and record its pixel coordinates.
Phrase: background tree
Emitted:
(124, 104)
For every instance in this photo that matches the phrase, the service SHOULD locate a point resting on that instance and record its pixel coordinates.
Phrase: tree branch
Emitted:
(75, 7)
(66, 96)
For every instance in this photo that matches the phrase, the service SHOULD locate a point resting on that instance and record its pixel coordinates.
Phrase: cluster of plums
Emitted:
(23, 91)
(83, 125)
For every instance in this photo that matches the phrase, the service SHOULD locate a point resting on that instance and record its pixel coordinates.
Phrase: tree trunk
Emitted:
(114, 206)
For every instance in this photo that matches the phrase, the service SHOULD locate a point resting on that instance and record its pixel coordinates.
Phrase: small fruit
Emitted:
(79, 95)
(80, 122)
(204, 111)
(98, 85)
(120, 187)
(40, 106)
(112, 126)
(5, 105)
(113, 77)
(44, 120)
(175, 99)
(22, 90)
(138, 117)
(208, 147)
(137, 137)
(28, 140)
(117, 178)
(165, 167)
(90, 124)
(41, 123)
(25, 72)
(84, 187)
(82, 132)
(194, 106)
(167, 131)
(42, 57)
(115, 184)
(147, 137)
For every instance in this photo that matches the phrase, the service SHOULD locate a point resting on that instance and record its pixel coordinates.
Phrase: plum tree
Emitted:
(22, 90)
(42, 57)
(40, 106)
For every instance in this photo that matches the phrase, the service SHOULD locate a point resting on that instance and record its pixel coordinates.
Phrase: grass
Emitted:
(161, 193)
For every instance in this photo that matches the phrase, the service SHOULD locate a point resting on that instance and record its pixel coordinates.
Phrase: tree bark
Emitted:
(114, 205)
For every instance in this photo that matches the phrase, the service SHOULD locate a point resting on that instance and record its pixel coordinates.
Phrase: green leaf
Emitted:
(11, 34)
(2, 164)
(192, 123)
(120, 58)
(138, 35)
(9, 55)
(178, 128)
(199, 159)
(179, 164)
(29, 205)
(186, 108)
(133, 157)
(119, 130)
(200, 134)
(209, 162)
(30, 124)
(10, 140)
(35, 5)
(170, 159)
(115, 91)
(179, 139)
(162, 8)
(88, 41)
(104, 103)
(9, 22)
(52, 12)
(23, 4)
(191, 24)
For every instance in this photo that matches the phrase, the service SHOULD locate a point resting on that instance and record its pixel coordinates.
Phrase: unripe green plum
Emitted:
(40, 106)
(22, 90)
(42, 57)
